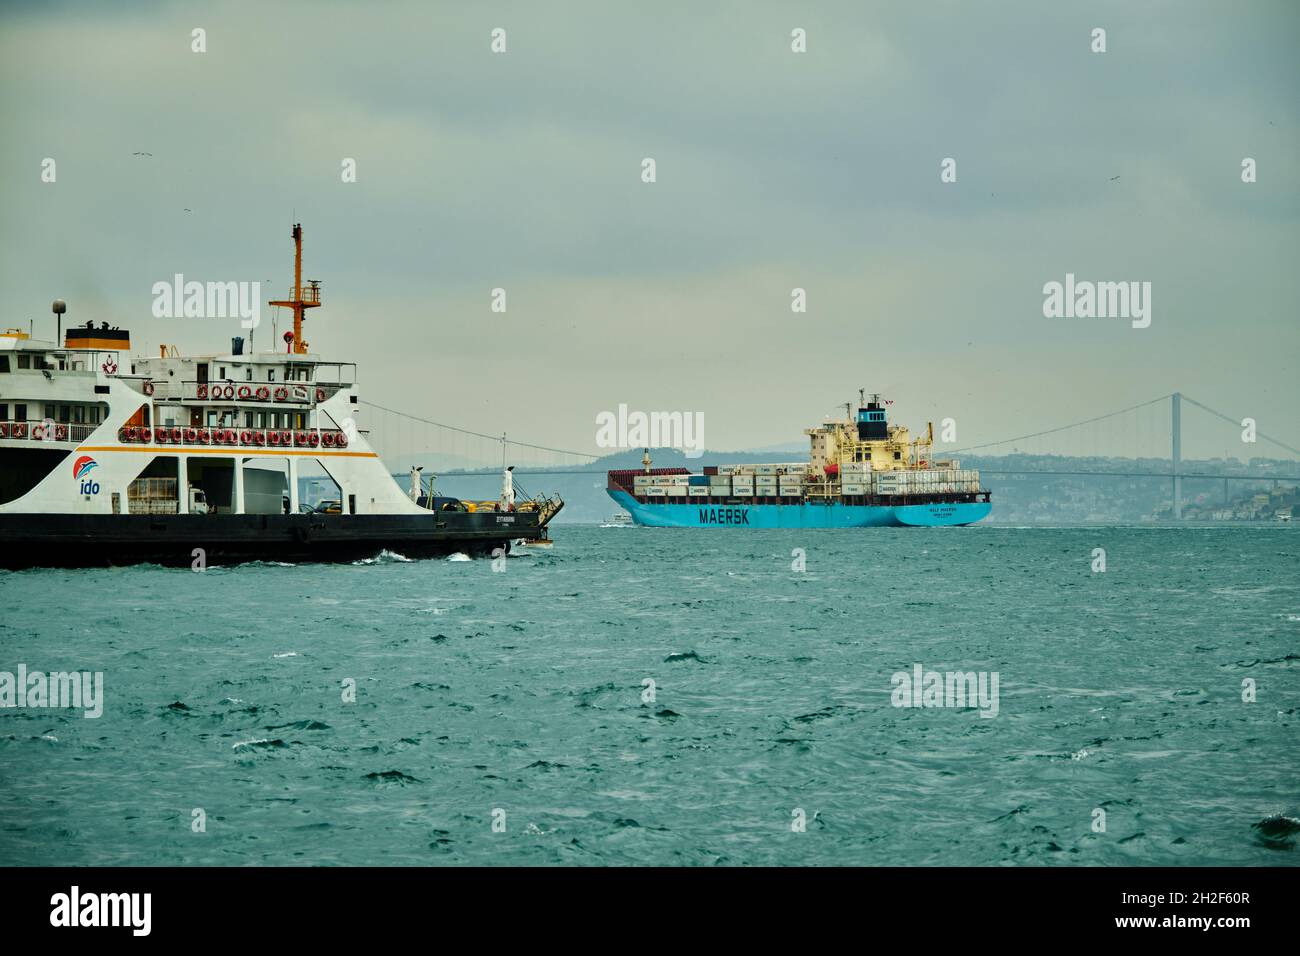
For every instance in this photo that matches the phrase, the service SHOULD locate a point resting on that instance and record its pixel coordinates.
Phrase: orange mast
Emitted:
(300, 302)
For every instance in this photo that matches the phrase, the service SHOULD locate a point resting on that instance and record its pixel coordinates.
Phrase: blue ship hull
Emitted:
(714, 515)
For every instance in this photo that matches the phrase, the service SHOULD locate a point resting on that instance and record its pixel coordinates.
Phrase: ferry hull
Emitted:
(714, 515)
(92, 540)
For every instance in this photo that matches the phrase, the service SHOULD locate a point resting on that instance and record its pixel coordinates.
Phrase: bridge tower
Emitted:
(1176, 442)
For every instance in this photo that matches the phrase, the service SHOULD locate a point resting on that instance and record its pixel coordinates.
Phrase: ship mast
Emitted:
(300, 303)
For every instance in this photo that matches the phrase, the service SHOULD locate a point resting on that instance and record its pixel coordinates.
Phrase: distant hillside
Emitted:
(1017, 498)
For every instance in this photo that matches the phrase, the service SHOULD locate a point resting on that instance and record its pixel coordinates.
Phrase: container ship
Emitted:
(111, 459)
(862, 472)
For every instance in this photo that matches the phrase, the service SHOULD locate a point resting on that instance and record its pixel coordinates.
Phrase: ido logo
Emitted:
(80, 469)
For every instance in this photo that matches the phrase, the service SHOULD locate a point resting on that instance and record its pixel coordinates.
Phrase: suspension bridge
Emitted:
(1145, 440)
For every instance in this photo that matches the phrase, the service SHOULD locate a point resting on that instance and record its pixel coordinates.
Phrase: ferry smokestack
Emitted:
(59, 307)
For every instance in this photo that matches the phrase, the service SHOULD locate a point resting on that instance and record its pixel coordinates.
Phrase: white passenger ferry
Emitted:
(107, 458)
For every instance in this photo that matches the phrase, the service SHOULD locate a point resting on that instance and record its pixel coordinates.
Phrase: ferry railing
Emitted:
(34, 430)
(260, 393)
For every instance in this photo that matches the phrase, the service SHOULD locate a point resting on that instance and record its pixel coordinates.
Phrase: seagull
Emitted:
(142, 154)
(1113, 178)
(189, 210)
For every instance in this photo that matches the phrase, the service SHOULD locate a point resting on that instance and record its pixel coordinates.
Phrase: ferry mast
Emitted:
(303, 299)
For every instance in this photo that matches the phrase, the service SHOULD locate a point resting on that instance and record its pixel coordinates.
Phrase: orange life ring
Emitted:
(281, 393)
(191, 435)
(176, 434)
(273, 437)
(246, 437)
(4, 431)
(327, 439)
(201, 391)
(61, 432)
(261, 438)
(148, 388)
(161, 436)
(244, 392)
(342, 440)
(20, 430)
(263, 393)
(313, 439)
(205, 436)
(300, 439)
(320, 394)
(228, 391)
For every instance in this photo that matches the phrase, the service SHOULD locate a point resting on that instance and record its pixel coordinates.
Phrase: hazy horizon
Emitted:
(775, 170)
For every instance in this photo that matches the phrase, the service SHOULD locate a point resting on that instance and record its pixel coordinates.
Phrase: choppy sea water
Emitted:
(518, 696)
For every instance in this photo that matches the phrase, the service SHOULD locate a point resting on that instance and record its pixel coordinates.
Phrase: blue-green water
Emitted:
(522, 690)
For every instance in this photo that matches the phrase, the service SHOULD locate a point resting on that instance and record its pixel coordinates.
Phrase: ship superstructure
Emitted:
(861, 472)
(109, 458)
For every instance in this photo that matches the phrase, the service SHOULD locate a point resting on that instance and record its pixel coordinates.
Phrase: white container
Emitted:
(655, 493)
(698, 491)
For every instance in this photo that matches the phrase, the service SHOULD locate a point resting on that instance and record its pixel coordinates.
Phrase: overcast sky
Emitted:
(775, 170)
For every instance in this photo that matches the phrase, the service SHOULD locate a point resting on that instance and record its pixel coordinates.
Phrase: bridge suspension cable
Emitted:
(466, 431)
(1061, 428)
(1236, 422)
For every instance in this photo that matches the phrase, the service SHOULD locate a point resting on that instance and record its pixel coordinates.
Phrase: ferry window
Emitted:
(868, 458)
(249, 373)
(897, 455)
(94, 416)
(4, 413)
(78, 414)
(65, 413)
(212, 418)
(270, 375)
(24, 361)
(221, 372)
(261, 419)
(248, 419)
(4, 363)
(20, 413)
